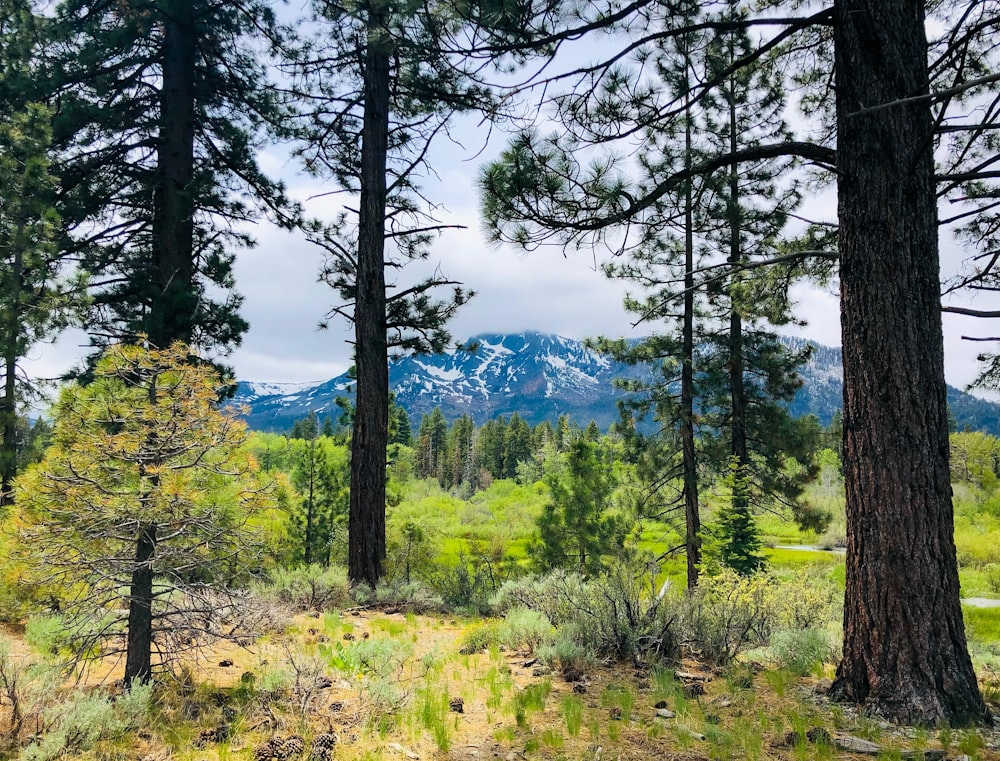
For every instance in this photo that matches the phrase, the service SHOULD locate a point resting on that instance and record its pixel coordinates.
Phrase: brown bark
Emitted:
(905, 653)
(737, 393)
(172, 314)
(366, 520)
(139, 643)
(689, 464)
(8, 406)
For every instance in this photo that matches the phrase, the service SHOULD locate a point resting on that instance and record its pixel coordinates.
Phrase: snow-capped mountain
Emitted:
(539, 376)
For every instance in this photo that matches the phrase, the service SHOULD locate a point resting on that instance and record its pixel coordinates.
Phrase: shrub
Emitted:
(476, 577)
(728, 613)
(83, 719)
(801, 651)
(311, 587)
(565, 651)
(615, 615)
(810, 599)
(992, 571)
(47, 634)
(412, 596)
(521, 628)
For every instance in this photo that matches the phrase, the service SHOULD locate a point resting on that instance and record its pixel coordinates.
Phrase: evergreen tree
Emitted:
(516, 445)
(432, 445)
(461, 453)
(143, 452)
(576, 528)
(870, 84)
(733, 540)
(382, 83)
(400, 431)
(161, 105)
(36, 298)
(490, 446)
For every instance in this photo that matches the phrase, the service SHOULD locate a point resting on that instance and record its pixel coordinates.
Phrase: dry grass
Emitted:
(301, 684)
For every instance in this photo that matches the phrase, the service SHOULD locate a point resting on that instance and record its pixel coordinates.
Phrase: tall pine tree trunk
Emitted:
(8, 406)
(139, 638)
(173, 313)
(689, 464)
(737, 394)
(905, 652)
(366, 521)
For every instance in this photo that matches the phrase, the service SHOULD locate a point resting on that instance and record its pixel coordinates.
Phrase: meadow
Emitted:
(467, 652)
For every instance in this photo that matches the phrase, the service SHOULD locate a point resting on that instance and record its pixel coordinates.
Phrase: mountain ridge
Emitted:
(541, 376)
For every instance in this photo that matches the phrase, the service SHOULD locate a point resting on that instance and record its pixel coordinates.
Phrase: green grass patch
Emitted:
(982, 624)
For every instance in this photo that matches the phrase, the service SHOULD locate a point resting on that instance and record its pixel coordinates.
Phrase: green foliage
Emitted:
(975, 459)
(615, 615)
(732, 540)
(82, 719)
(142, 458)
(728, 613)
(157, 160)
(801, 651)
(577, 527)
(321, 478)
(521, 628)
(311, 587)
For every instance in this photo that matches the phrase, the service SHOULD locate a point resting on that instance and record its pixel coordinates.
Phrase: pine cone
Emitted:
(267, 751)
(325, 740)
(457, 705)
(292, 746)
(322, 747)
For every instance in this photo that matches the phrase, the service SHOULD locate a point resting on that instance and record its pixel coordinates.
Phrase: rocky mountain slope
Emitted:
(540, 376)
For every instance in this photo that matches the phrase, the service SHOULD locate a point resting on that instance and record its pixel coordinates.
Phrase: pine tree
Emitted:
(161, 105)
(142, 451)
(37, 298)
(870, 86)
(576, 528)
(382, 85)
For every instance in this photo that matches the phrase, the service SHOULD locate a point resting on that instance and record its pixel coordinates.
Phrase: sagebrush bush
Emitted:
(565, 651)
(521, 628)
(311, 587)
(614, 615)
(801, 651)
(728, 613)
(81, 719)
(810, 599)
(411, 596)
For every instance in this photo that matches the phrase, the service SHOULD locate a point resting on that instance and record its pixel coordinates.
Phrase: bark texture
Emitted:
(905, 653)
(366, 522)
(172, 316)
(692, 517)
(138, 655)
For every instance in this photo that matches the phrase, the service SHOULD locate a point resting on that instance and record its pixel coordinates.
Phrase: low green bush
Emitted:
(410, 596)
(615, 615)
(801, 651)
(311, 587)
(728, 613)
(521, 628)
(82, 719)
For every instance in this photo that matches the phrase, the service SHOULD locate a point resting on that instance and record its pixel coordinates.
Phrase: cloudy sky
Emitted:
(544, 290)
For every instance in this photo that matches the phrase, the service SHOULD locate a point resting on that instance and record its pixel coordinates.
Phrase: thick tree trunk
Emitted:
(366, 523)
(905, 653)
(173, 311)
(139, 646)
